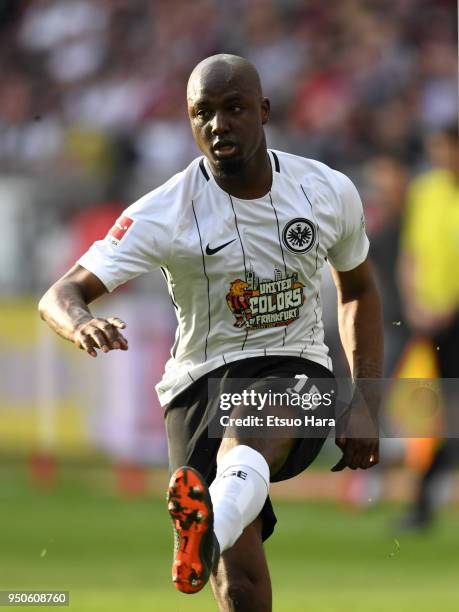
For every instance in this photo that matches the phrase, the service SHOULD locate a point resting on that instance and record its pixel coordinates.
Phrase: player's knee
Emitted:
(275, 451)
(243, 594)
(239, 594)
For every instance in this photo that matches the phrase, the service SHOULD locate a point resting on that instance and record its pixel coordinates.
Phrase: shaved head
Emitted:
(227, 113)
(224, 70)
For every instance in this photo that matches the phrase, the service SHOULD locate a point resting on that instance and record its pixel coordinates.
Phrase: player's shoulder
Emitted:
(314, 173)
(294, 165)
(181, 188)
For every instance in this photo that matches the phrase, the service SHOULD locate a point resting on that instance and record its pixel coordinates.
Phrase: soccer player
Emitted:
(241, 236)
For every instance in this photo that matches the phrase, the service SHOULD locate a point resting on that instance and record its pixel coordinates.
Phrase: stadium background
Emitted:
(92, 115)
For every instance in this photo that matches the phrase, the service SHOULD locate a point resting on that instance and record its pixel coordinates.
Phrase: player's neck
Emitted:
(253, 181)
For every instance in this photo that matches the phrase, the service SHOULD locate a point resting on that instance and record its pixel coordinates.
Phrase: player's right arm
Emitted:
(140, 241)
(65, 309)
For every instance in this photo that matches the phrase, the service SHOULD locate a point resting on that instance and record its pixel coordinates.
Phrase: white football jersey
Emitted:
(243, 275)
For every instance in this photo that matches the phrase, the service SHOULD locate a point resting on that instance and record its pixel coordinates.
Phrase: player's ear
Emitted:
(265, 108)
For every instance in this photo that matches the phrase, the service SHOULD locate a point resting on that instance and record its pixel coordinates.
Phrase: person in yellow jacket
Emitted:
(429, 283)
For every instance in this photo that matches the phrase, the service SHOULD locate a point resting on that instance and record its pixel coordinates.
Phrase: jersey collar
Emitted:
(207, 173)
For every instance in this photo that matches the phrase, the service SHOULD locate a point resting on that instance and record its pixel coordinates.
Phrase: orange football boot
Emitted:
(196, 547)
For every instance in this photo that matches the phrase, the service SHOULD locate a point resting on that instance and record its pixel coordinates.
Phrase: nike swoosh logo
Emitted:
(210, 251)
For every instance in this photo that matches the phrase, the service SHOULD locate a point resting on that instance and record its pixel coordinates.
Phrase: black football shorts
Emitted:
(188, 414)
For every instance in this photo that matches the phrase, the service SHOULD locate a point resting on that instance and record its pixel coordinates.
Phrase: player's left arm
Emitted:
(361, 332)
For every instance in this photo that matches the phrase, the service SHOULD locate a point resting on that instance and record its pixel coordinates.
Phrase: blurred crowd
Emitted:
(98, 86)
(92, 101)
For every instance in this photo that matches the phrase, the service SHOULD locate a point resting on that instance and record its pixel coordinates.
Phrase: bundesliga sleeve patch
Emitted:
(119, 229)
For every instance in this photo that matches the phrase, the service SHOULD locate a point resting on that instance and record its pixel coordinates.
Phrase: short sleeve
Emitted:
(352, 245)
(137, 243)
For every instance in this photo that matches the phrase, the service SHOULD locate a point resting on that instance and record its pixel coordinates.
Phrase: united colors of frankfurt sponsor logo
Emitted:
(260, 303)
(299, 235)
(119, 229)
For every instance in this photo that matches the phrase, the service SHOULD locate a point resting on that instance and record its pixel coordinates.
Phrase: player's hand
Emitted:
(357, 436)
(99, 333)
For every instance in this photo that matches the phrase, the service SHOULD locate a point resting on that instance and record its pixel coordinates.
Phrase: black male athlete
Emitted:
(241, 236)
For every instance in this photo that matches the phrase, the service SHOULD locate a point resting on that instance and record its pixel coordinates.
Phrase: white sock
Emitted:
(238, 492)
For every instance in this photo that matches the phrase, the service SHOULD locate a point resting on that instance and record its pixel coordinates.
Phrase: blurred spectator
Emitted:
(430, 289)
(384, 190)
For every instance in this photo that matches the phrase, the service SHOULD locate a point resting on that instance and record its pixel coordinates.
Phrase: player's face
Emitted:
(227, 122)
